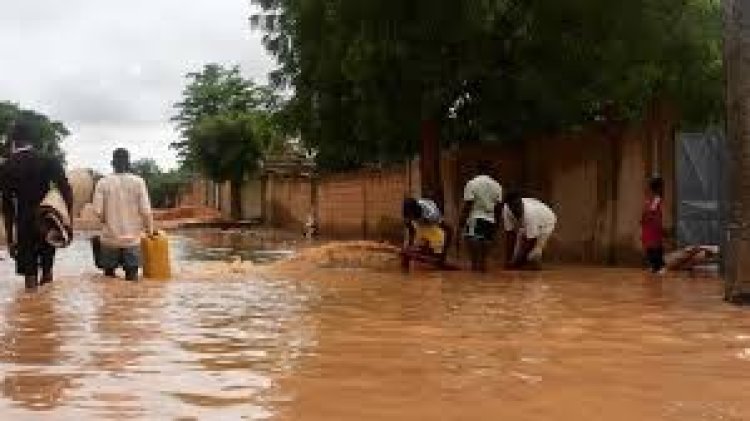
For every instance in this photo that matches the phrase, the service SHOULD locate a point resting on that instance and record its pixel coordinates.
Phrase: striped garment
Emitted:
(430, 211)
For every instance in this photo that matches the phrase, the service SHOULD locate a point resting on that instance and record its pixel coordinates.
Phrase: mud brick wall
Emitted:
(288, 201)
(594, 179)
(362, 204)
(365, 204)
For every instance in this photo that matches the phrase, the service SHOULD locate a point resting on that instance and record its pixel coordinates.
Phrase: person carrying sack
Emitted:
(26, 180)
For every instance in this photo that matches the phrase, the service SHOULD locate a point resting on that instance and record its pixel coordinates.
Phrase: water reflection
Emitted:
(30, 348)
(211, 245)
(564, 344)
(313, 344)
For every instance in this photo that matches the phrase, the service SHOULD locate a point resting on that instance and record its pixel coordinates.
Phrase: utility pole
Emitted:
(737, 64)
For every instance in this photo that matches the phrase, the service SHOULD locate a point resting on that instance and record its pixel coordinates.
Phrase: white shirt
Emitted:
(538, 219)
(122, 204)
(430, 211)
(485, 193)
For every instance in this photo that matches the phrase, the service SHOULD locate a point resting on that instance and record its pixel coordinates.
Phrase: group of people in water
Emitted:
(528, 224)
(37, 203)
(35, 225)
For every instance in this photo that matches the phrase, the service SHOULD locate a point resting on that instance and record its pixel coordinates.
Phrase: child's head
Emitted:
(513, 200)
(484, 167)
(411, 209)
(656, 186)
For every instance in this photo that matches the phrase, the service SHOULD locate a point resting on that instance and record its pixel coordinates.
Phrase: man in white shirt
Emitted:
(480, 216)
(529, 223)
(122, 204)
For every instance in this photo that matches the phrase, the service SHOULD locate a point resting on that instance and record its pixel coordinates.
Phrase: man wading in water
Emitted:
(122, 204)
(25, 180)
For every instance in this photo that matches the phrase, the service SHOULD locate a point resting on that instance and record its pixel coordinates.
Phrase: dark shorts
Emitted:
(655, 258)
(481, 230)
(113, 258)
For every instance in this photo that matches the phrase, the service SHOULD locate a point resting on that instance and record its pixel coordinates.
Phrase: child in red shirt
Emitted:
(652, 230)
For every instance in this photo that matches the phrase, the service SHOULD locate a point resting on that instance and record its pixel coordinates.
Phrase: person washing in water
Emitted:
(529, 223)
(427, 235)
(480, 215)
(122, 204)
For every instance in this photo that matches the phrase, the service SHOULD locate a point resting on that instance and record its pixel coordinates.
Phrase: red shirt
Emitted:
(652, 230)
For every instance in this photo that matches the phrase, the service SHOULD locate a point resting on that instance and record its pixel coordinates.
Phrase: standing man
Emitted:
(529, 223)
(481, 214)
(26, 178)
(122, 204)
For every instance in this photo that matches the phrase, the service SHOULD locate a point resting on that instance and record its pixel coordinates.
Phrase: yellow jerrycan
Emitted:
(155, 251)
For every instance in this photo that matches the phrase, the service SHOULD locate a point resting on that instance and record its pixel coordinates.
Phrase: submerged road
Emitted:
(344, 344)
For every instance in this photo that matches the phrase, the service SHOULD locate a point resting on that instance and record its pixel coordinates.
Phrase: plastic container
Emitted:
(156, 260)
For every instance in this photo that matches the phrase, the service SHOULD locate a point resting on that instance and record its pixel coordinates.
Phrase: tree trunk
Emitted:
(737, 64)
(236, 199)
(432, 183)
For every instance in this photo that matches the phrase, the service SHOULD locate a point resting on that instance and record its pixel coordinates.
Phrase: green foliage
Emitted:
(163, 186)
(48, 134)
(228, 146)
(227, 124)
(365, 74)
(215, 91)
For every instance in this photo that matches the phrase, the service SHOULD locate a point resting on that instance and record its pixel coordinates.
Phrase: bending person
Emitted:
(529, 223)
(428, 237)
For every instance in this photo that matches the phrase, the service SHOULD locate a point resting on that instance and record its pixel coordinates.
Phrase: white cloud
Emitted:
(112, 70)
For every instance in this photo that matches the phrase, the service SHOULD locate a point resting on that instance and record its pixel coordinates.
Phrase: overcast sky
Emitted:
(111, 70)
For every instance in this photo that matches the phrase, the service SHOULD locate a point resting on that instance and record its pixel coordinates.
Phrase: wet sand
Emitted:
(309, 343)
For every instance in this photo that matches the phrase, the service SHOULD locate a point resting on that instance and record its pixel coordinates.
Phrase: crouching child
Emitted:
(427, 237)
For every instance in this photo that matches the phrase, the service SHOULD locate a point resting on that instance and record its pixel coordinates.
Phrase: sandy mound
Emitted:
(352, 254)
(338, 255)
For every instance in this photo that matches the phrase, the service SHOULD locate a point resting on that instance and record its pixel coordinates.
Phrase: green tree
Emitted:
(227, 123)
(228, 147)
(147, 168)
(215, 90)
(367, 75)
(48, 134)
(164, 187)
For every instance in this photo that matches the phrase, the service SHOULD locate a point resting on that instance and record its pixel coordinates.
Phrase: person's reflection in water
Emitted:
(32, 345)
(123, 323)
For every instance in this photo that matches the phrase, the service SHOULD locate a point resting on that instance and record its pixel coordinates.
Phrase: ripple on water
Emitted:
(566, 344)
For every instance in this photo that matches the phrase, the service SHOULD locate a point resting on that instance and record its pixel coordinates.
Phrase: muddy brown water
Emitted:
(348, 344)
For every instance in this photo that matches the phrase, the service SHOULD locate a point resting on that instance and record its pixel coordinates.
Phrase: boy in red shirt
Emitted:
(652, 230)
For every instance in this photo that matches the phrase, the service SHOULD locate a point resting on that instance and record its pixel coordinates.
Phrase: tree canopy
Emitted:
(216, 90)
(163, 186)
(48, 134)
(365, 74)
(227, 123)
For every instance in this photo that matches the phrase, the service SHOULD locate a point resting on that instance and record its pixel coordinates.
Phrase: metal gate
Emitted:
(701, 191)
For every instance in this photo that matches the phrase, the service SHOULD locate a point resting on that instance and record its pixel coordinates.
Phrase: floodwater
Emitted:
(348, 344)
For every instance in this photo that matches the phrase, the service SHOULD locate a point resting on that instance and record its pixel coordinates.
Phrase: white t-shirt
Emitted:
(485, 193)
(538, 219)
(121, 202)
